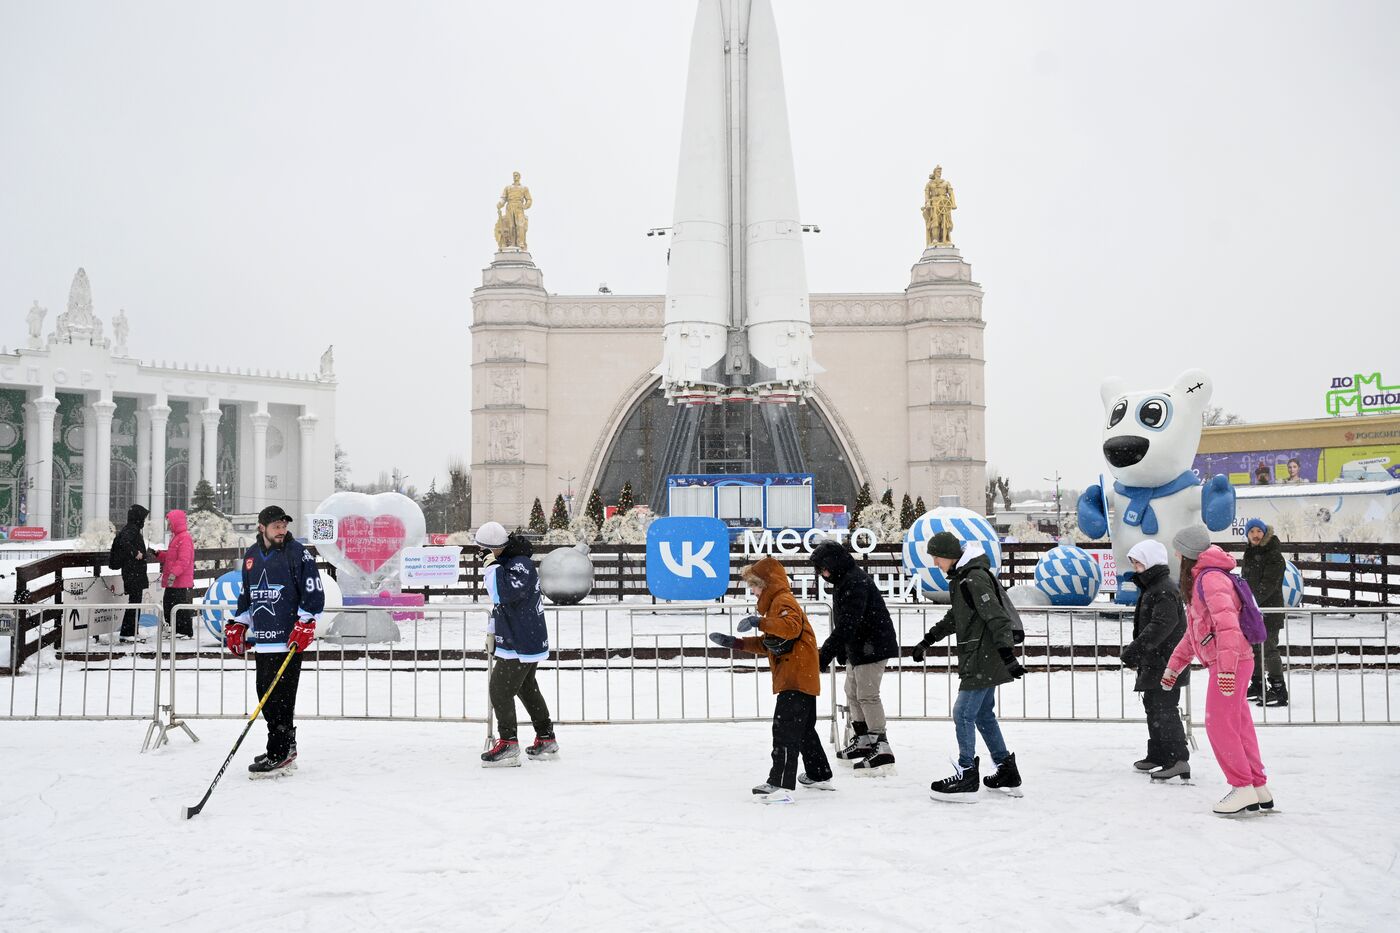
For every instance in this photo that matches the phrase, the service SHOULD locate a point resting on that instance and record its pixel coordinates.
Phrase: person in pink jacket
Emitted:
(1213, 634)
(177, 572)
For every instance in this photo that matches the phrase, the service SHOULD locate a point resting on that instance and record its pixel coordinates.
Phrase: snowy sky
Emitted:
(1141, 189)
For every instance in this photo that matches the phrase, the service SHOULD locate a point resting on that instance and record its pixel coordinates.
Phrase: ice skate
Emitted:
(1180, 769)
(504, 754)
(1277, 694)
(264, 767)
(1238, 802)
(859, 747)
(810, 784)
(771, 793)
(1007, 778)
(1266, 799)
(960, 787)
(544, 748)
(879, 762)
(1146, 764)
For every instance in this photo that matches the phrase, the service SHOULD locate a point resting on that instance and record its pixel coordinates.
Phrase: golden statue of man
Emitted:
(938, 208)
(512, 223)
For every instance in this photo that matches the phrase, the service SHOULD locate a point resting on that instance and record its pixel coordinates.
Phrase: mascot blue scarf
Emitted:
(1139, 511)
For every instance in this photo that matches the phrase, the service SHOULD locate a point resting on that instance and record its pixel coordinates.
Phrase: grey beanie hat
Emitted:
(1191, 541)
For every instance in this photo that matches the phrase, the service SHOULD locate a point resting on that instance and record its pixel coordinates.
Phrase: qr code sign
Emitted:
(323, 529)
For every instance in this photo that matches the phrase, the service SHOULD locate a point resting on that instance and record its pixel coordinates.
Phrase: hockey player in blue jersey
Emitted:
(281, 599)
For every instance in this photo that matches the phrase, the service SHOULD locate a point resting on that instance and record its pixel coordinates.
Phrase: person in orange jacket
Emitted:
(791, 645)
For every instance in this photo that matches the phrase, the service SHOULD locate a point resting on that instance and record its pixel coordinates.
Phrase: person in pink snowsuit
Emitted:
(1213, 635)
(177, 572)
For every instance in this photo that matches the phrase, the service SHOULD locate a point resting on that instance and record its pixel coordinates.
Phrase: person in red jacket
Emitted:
(177, 572)
(1213, 634)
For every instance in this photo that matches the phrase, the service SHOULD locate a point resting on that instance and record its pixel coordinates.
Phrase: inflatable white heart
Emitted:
(371, 532)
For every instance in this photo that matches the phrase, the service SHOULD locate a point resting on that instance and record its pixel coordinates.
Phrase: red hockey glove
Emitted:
(235, 634)
(1226, 682)
(1169, 679)
(302, 633)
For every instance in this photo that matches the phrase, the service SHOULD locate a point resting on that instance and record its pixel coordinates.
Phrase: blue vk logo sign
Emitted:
(687, 558)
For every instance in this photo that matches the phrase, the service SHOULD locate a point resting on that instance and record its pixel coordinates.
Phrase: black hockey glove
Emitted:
(1013, 667)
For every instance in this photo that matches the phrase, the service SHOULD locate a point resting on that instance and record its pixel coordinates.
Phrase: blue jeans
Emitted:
(975, 711)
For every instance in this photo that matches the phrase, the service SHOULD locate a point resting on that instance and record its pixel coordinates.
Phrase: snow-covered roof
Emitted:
(1375, 487)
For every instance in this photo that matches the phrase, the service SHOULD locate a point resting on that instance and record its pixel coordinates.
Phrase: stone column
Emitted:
(159, 416)
(945, 366)
(210, 460)
(31, 445)
(304, 502)
(102, 477)
(143, 457)
(510, 419)
(89, 466)
(261, 419)
(45, 407)
(196, 448)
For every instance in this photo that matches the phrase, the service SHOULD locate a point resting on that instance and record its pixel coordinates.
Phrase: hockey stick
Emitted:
(490, 709)
(192, 812)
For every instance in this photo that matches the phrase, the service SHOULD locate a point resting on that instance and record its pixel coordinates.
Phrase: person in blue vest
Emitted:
(281, 599)
(521, 642)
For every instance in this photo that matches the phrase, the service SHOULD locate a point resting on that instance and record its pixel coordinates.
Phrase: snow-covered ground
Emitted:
(394, 826)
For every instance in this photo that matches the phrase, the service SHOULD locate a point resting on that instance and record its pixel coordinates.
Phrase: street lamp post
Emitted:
(569, 488)
(1059, 522)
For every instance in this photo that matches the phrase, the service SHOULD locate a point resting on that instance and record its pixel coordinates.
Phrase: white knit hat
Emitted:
(1149, 553)
(492, 534)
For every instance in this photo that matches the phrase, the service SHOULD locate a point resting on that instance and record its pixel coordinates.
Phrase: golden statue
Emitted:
(939, 205)
(512, 223)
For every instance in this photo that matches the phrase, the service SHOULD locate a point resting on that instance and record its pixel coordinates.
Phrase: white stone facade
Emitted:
(95, 430)
(554, 376)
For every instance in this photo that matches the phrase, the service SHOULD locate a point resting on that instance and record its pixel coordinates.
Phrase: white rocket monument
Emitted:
(738, 324)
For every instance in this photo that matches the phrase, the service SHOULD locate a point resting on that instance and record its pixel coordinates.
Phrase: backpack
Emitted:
(1018, 628)
(1251, 619)
(117, 558)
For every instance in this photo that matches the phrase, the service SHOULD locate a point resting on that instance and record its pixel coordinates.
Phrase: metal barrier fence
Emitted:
(644, 663)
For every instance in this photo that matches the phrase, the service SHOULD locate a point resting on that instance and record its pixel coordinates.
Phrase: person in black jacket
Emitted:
(1159, 624)
(1262, 568)
(862, 638)
(129, 556)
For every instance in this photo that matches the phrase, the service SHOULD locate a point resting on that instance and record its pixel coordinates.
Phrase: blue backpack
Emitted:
(1251, 619)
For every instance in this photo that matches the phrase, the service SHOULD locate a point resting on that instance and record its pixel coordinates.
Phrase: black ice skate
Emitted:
(1277, 694)
(879, 762)
(264, 767)
(1007, 779)
(860, 746)
(960, 787)
(1256, 689)
(504, 754)
(544, 748)
(1146, 764)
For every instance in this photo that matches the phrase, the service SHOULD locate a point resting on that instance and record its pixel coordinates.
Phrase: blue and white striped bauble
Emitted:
(222, 593)
(1069, 576)
(965, 523)
(1292, 585)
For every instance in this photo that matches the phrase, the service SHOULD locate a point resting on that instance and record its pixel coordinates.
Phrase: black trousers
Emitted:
(511, 678)
(794, 736)
(280, 710)
(1166, 737)
(174, 597)
(129, 616)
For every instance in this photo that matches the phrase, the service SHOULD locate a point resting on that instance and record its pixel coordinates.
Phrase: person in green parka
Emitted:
(986, 660)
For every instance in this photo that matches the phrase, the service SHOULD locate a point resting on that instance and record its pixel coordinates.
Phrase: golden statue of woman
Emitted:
(938, 208)
(511, 222)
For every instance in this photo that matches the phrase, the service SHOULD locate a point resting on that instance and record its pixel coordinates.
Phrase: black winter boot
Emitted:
(1277, 694)
(1007, 779)
(960, 787)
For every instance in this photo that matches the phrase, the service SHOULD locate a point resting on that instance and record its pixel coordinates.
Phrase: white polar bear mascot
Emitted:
(1150, 441)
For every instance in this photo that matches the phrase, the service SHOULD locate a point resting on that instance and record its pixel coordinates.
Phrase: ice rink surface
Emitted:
(652, 827)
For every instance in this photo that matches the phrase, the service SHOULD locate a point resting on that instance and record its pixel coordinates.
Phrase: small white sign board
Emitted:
(429, 566)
